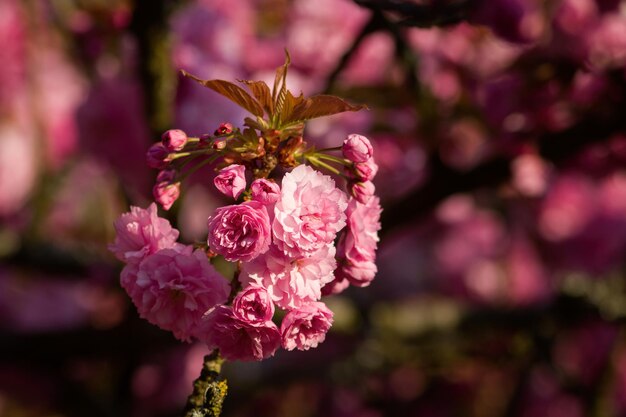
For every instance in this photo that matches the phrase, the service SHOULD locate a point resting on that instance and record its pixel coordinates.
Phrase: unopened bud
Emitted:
(156, 157)
(166, 191)
(365, 171)
(224, 129)
(174, 140)
(357, 148)
(362, 191)
(218, 144)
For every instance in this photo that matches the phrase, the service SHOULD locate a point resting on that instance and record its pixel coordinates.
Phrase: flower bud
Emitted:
(364, 171)
(218, 144)
(357, 148)
(231, 181)
(166, 191)
(224, 129)
(265, 191)
(174, 140)
(362, 191)
(156, 157)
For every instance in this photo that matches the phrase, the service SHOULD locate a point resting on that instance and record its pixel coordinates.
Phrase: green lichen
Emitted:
(209, 390)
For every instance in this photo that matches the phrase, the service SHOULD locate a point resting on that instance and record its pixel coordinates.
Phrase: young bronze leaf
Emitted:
(230, 91)
(252, 123)
(321, 105)
(289, 105)
(262, 93)
(281, 75)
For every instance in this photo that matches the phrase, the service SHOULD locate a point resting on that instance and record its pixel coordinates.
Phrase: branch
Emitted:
(209, 390)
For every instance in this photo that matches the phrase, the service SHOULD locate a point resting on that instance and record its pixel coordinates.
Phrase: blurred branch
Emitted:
(437, 13)
(151, 28)
(600, 125)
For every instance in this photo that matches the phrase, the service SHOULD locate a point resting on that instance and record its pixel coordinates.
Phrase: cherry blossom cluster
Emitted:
(292, 240)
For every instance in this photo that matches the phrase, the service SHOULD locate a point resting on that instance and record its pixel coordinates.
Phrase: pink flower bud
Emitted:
(231, 181)
(364, 171)
(224, 129)
(174, 140)
(218, 144)
(156, 157)
(166, 191)
(357, 148)
(362, 191)
(265, 191)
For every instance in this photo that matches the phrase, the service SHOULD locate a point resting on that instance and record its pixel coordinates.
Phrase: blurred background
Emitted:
(500, 131)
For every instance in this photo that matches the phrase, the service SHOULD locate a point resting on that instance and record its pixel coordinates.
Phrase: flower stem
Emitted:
(200, 165)
(336, 148)
(209, 390)
(315, 161)
(332, 158)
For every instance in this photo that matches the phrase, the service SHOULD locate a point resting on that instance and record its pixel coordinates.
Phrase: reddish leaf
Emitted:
(321, 105)
(279, 93)
(230, 91)
(262, 93)
(289, 105)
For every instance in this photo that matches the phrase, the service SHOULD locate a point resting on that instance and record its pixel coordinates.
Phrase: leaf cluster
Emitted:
(277, 108)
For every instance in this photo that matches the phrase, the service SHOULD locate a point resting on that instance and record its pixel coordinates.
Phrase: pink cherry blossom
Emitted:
(237, 339)
(336, 286)
(306, 327)
(240, 232)
(173, 289)
(253, 305)
(357, 148)
(265, 191)
(140, 233)
(231, 181)
(291, 282)
(174, 140)
(309, 213)
(357, 246)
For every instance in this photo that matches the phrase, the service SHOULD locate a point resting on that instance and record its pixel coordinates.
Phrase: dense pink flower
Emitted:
(231, 181)
(265, 191)
(166, 191)
(306, 327)
(240, 232)
(290, 282)
(362, 191)
(18, 167)
(357, 148)
(140, 233)
(253, 305)
(237, 339)
(173, 289)
(309, 213)
(357, 246)
(336, 286)
(174, 140)
(156, 157)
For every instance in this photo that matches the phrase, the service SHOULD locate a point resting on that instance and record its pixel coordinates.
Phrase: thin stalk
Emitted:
(207, 161)
(313, 160)
(333, 158)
